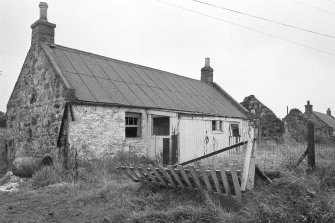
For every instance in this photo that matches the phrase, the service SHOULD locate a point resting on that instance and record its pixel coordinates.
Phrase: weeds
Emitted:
(46, 175)
(100, 193)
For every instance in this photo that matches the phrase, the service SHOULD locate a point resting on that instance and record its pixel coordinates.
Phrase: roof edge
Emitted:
(80, 102)
(315, 113)
(231, 99)
(48, 52)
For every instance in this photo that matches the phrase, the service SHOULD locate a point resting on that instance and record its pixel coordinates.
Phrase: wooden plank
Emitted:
(213, 153)
(166, 175)
(195, 177)
(185, 177)
(145, 171)
(251, 176)
(215, 179)
(162, 181)
(125, 170)
(131, 170)
(205, 178)
(224, 180)
(237, 187)
(143, 177)
(175, 175)
(246, 168)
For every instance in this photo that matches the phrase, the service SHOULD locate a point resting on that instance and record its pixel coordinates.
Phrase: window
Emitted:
(217, 126)
(161, 126)
(235, 130)
(133, 125)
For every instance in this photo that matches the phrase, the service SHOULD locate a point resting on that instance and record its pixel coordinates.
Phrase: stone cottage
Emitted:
(324, 124)
(266, 121)
(67, 103)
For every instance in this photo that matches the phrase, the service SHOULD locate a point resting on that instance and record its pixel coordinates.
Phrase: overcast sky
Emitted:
(154, 34)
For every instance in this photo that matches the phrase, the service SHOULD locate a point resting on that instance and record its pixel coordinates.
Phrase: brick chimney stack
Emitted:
(329, 112)
(207, 72)
(308, 108)
(42, 30)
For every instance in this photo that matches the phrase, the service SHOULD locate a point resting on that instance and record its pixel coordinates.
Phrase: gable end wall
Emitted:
(321, 127)
(35, 108)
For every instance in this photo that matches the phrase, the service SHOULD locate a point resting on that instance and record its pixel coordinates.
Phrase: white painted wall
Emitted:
(197, 138)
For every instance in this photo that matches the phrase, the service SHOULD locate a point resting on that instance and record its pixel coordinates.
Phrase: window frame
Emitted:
(232, 131)
(138, 125)
(217, 126)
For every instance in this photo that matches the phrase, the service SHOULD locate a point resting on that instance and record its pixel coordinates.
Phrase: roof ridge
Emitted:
(121, 61)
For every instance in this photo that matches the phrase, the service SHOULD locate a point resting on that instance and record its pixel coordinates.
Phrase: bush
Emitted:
(47, 175)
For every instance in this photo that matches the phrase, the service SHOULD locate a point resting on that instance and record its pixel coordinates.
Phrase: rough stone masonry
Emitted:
(35, 108)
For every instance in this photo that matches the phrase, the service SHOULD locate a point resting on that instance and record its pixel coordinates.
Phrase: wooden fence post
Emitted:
(311, 145)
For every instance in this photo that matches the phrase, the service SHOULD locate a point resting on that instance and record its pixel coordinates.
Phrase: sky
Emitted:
(280, 65)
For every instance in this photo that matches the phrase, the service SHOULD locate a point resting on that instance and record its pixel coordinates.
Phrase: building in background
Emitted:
(324, 124)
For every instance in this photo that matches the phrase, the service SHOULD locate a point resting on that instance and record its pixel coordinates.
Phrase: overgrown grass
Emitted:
(295, 197)
(47, 175)
(100, 193)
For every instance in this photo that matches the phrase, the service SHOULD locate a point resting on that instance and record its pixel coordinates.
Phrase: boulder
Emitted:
(27, 166)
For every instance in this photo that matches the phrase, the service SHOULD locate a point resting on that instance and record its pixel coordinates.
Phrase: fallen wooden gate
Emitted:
(229, 182)
(222, 181)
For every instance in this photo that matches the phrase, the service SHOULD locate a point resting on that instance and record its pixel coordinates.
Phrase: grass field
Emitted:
(101, 194)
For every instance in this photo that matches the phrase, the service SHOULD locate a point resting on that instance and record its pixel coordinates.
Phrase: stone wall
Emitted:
(34, 110)
(268, 124)
(296, 126)
(321, 129)
(3, 152)
(99, 131)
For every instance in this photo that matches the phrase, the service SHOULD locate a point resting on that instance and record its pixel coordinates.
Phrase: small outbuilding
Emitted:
(67, 102)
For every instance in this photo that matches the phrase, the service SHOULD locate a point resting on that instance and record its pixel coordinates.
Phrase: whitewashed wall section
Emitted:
(197, 137)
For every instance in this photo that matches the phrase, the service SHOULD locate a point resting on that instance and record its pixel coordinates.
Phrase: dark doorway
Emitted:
(166, 151)
(174, 148)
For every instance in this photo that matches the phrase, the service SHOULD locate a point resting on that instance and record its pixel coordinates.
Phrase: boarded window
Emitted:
(235, 130)
(133, 125)
(161, 126)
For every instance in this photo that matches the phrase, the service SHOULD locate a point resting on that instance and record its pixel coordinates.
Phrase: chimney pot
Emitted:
(329, 112)
(207, 62)
(43, 11)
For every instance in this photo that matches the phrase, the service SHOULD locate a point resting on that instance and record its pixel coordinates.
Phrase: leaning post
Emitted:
(310, 145)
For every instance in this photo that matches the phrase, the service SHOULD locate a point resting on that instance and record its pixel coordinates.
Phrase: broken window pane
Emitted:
(131, 132)
(133, 127)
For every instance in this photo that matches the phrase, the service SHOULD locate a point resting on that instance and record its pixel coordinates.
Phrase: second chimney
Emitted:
(207, 72)
(308, 107)
(329, 112)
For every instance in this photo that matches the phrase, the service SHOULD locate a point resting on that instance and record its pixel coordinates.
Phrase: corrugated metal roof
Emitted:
(326, 118)
(99, 79)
